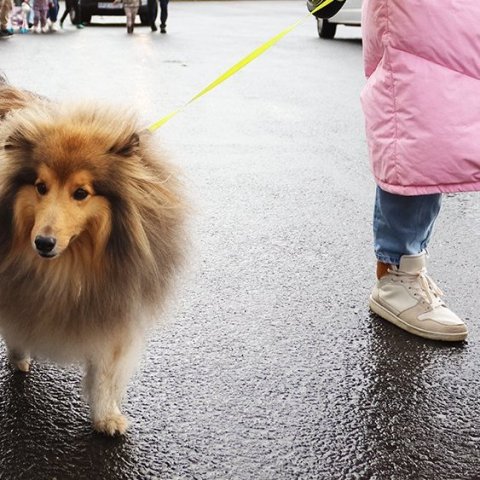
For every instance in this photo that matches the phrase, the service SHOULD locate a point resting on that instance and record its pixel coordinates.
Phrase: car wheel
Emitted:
(325, 28)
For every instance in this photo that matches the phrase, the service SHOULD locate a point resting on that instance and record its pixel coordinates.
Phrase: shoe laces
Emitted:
(427, 288)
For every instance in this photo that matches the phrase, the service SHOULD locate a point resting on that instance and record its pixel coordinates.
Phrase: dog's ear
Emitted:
(18, 141)
(128, 147)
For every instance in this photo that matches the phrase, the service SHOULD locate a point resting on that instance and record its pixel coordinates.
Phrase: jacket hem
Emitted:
(412, 190)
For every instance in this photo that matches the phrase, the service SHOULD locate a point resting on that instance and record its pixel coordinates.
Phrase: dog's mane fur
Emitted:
(123, 265)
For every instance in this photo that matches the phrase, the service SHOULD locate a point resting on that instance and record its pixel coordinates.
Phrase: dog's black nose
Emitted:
(45, 244)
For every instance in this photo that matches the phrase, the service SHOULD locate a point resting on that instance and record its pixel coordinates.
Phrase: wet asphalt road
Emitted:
(270, 366)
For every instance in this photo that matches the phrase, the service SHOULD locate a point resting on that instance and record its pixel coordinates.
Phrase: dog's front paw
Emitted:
(112, 425)
(20, 364)
(23, 365)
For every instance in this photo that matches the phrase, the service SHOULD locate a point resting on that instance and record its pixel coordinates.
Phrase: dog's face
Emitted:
(60, 210)
(61, 175)
(81, 185)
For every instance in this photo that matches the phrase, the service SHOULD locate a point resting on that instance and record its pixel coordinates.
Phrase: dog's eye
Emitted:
(80, 194)
(41, 188)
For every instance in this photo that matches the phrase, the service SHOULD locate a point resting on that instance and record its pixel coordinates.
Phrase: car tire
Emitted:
(326, 29)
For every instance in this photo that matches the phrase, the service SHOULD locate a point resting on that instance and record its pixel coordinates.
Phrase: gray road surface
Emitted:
(270, 366)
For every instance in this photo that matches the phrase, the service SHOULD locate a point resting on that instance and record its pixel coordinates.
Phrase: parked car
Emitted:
(349, 14)
(85, 9)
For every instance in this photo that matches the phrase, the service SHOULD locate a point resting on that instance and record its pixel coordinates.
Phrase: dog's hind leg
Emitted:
(19, 360)
(105, 382)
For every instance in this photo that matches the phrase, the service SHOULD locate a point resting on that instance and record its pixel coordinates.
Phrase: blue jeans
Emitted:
(53, 11)
(403, 225)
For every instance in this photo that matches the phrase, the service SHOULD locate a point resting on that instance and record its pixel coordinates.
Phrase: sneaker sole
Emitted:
(390, 317)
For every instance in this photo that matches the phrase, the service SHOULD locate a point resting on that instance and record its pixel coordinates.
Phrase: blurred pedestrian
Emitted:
(52, 15)
(422, 124)
(71, 5)
(26, 9)
(152, 11)
(131, 9)
(40, 11)
(16, 17)
(31, 14)
(6, 7)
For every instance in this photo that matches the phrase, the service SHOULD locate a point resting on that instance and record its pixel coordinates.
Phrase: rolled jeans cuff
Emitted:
(393, 260)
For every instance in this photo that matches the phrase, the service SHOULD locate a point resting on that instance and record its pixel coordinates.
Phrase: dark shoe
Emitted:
(163, 29)
(129, 29)
(5, 33)
(153, 27)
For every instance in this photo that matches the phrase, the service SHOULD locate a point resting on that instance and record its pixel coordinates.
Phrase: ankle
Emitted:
(382, 269)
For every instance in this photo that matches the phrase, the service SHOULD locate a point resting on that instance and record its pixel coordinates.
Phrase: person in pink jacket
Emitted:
(421, 104)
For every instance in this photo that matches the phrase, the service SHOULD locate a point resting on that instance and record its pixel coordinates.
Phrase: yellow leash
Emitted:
(238, 66)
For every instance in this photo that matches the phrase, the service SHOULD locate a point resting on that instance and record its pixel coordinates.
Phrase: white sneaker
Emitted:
(37, 29)
(45, 29)
(407, 297)
(53, 27)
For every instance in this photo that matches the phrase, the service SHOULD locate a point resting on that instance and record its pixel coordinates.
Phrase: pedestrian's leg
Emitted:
(43, 19)
(77, 6)
(163, 15)
(403, 225)
(36, 18)
(6, 7)
(68, 7)
(31, 15)
(24, 28)
(129, 15)
(3, 15)
(133, 16)
(52, 15)
(152, 14)
(404, 294)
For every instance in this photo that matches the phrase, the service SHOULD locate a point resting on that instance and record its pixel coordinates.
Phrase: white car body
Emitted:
(349, 14)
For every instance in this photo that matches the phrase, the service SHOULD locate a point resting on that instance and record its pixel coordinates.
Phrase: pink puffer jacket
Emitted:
(422, 97)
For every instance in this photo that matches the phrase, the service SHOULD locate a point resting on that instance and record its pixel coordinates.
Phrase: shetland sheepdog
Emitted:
(91, 238)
